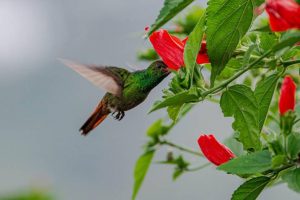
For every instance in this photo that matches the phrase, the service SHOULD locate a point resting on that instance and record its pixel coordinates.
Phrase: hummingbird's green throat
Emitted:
(125, 90)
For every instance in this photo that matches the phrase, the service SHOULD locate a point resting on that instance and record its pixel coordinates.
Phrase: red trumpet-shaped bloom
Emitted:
(171, 49)
(283, 14)
(214, 151)
(287, 98)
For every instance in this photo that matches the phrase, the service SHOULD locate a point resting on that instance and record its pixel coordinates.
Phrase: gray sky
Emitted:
(44, 103)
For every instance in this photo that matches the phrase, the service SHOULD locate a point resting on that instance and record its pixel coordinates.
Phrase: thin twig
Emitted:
(176, 146)
(198, 168)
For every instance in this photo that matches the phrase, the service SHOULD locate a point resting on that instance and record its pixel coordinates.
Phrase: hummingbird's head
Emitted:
(153, 75)
(159, 68)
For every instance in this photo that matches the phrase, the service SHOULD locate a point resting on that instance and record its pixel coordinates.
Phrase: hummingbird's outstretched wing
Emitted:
(110, 79)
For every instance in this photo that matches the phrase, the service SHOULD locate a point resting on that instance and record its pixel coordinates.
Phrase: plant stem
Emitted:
(277, 183)
(181, 148)
(285, 145)
(290, 62)
(213, 100)
(245, 69)
(198, 168)
(277, 171)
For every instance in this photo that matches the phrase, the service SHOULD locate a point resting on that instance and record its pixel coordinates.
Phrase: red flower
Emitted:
(202, 57)
(287, 98)
(213, 150)
(171, 48)
(283, 14)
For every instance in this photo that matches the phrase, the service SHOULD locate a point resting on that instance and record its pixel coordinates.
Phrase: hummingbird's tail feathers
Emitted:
(91, 124)
(95, 119)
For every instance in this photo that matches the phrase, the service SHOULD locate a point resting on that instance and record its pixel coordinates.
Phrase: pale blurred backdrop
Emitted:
(43, 103)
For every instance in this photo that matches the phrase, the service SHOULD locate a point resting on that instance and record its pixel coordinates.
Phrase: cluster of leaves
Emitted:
(247, 63)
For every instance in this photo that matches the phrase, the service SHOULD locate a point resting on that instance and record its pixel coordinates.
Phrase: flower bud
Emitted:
(287, 98)
(213, 150)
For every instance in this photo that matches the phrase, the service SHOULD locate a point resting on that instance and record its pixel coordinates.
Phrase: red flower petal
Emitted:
(202, 57)
(170, 48)
(214, 151)
(283, 14)
(287, 98)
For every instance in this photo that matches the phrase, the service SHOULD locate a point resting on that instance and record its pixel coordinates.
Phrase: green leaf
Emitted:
(232, 67)
(289, 41)
(258, 2)
(174, 111)
(227, 22)
(141, 168)
(170, 9)
(176, 100)
(293, 53)
(181, 166)
(278, 160)
(248, 164)
(292, 178)
(198, 78)
(239, 101)
(177, 172)
(251, 188)
(248, 53)
(276, 146)
(264, 28)
(293, 145)
(266, 41)
(193, 45)
(235, 146)
(264, 93)
(157, 129)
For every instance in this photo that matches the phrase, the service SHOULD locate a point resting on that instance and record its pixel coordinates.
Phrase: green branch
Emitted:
(237, 75)
(290, 62)
(181, 148)
(198, 168)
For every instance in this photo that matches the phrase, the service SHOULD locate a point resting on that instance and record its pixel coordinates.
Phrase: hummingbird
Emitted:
(125, 89)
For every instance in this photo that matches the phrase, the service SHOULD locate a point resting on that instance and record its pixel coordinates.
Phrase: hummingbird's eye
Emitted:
(160, 66)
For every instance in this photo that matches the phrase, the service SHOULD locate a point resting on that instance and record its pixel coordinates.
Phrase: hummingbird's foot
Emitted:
(122, 115)
(115, 114)
(119, 115)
